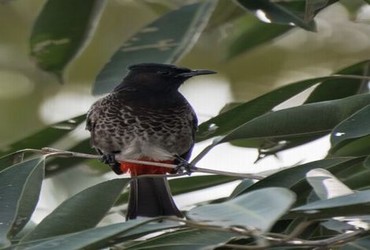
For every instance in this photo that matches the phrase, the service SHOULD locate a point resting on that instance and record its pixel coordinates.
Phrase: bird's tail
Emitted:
(151, 197)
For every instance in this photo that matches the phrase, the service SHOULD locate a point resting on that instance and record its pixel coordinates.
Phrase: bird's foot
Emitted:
(183, 166)
(110, 160)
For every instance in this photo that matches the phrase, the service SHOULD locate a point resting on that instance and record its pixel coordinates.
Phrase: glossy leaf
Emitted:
(271, 12)
(326, 185)
(97, 238)
(306, 8)
(354, 174)
(11, 159)
(245, 112)
(195, 239)
(20, 187)
(61, 30)
(353, 204)
(289, 177)
(358, 244)
(341, 87)
(243, 185)
(354, 127)
(355, 147)
(46, 136)
(82, 211)
(257, 209)
(163, 41)
(275, 124)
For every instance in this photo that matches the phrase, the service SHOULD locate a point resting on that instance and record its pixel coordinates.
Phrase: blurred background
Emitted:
(31, 99)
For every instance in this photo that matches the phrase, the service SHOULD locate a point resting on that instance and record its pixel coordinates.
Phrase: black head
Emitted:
(158, 77)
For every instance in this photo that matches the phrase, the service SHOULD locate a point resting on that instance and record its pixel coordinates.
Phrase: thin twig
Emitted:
(62, 153)
(298, 229)
(333, 241)
(357, 77)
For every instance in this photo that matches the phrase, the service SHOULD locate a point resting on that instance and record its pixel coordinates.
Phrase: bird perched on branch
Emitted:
(146, 118)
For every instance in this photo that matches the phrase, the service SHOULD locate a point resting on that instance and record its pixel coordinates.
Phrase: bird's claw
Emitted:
(183, 166)
(110, 160)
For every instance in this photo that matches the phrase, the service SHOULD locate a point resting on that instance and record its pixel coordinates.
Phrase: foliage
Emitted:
(316, 204)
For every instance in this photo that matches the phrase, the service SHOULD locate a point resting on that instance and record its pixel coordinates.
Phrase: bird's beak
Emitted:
(197, 72)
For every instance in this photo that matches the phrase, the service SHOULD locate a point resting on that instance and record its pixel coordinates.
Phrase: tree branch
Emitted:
(61, 153)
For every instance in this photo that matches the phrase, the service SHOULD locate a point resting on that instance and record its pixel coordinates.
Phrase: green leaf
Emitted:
(20, 187)
(326, 185)
(355, 147)
(163, 41)
(355, 175)
(61, 30)
(46, 136)
(11, 159)
(312, 7)
(354, 127)
(258, 209)
(58, 165)
(280, 125)
(194, 239)
(82, 211)
(252, 33)
(98, 238)
(353, 204)
(271, 12)
(243, 113)
(289, 177)
(358, 244)
(341, 87)
(243, 185)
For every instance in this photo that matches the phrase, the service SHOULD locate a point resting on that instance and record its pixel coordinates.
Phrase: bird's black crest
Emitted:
(157, 67)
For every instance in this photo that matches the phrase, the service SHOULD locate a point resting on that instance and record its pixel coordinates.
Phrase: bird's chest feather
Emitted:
(135, 131)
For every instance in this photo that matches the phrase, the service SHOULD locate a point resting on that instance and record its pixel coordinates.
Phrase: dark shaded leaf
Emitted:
(353, 204)
(245, 112)
(353, 147)
(82, 211)
(257, 209)
(341, 87)
(241, 188)
(11, 159)
(272, 12)
(354, 127)
(58, 165)
(163, 41)
(280, 125)
(46, 136)
(194, 239)
(97, 238)
(358, 244)
(306, 8)
(20, 187)
(289, 177)
(61, 30)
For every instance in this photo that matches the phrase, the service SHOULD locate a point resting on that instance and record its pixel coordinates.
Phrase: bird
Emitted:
(146, 118)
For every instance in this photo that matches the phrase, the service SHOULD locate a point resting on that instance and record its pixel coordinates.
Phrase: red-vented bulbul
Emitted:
(146, 118)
